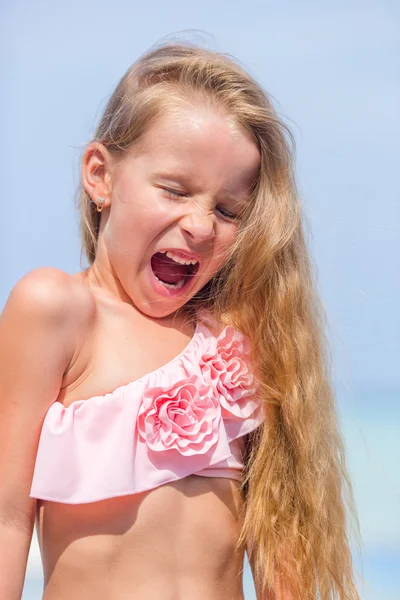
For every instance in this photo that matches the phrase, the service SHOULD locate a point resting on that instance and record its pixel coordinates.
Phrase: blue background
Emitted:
(333, 69)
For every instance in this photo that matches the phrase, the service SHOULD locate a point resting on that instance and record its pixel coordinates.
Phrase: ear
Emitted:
(96, 172)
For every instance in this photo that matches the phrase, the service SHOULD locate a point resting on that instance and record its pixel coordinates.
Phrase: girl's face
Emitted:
(175, 198)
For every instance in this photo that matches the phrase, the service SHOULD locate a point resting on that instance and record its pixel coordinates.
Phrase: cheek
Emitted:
(226, 238)
(145, 212)
(134, 226)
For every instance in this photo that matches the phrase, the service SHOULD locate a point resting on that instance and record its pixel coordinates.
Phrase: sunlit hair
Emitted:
(298, 497)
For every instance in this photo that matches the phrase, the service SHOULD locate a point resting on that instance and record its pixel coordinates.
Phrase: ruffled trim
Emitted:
(178, 420)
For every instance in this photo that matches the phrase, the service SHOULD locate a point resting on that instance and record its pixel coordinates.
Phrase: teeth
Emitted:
(178, 259)
(174, 286)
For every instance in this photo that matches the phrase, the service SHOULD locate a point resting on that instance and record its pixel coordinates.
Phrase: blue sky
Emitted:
(333, 71)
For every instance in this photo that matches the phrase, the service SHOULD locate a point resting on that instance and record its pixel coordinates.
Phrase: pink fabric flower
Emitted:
(184, 417)
(228, 369)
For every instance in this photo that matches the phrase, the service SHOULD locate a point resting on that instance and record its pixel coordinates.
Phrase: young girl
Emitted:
(170, 406)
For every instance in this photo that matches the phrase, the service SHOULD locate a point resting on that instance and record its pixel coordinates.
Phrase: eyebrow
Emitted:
(181, 179)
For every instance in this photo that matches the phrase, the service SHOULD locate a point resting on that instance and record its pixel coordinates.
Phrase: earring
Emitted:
(100, 204)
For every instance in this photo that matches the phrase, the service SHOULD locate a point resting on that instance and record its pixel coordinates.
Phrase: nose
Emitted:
(198, 225)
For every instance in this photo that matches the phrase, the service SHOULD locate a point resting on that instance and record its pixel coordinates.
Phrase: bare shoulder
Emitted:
(52, 292)
(52, 296)
(47, 308)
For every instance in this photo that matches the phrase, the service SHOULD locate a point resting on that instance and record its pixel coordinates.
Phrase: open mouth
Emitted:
(173, 271)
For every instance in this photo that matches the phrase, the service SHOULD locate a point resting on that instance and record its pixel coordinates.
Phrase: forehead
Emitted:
(201, 144)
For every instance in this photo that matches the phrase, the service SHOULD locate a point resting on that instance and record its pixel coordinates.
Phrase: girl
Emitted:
(170, 406)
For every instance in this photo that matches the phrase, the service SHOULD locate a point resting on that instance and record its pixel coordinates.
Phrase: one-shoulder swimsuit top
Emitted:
(186, 418)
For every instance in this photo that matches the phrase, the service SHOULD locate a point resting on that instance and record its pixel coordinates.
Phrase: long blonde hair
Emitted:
(297, 492)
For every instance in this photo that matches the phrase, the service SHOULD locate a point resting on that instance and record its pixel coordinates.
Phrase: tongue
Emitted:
(167, 269)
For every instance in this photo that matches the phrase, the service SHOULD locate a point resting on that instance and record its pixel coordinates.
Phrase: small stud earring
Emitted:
(100, 204)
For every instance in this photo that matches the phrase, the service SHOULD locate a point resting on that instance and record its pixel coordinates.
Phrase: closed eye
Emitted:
(174, 193)
(227, 214)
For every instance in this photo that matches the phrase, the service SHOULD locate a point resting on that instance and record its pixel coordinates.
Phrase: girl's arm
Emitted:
(37, 340)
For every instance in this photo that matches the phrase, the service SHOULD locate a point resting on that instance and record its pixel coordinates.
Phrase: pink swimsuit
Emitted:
(188, 417)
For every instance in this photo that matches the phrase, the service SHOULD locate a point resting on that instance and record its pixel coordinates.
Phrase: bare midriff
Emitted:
(175, 542)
